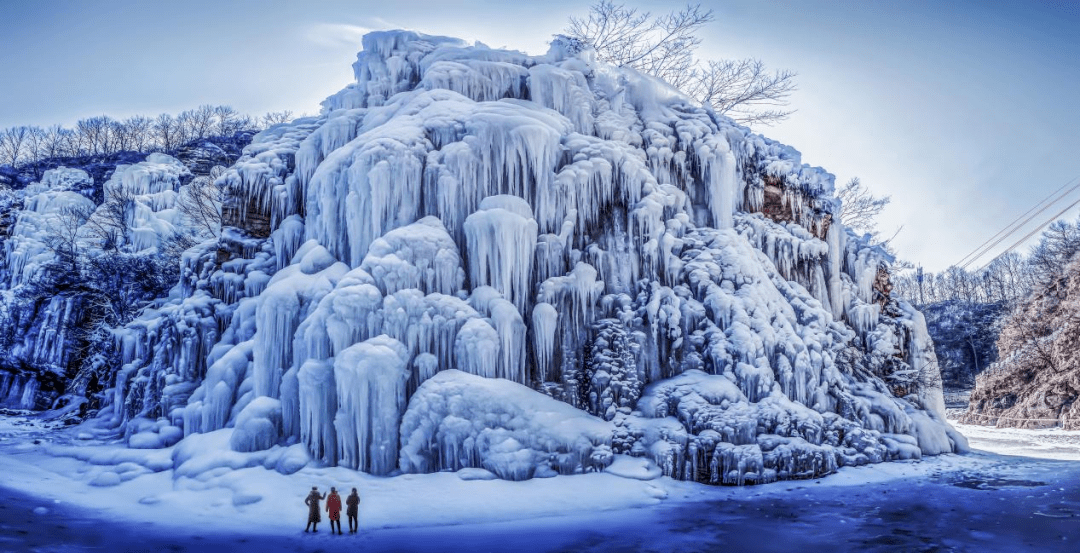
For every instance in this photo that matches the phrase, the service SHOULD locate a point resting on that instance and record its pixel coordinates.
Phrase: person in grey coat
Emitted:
(352, 504)
(312, 501)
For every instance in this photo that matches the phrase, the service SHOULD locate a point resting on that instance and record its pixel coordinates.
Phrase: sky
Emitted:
(964, 112)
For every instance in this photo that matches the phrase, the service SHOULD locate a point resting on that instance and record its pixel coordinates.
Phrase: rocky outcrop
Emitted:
(200, 156)
(1036, 382)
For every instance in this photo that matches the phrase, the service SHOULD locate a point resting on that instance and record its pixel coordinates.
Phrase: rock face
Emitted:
(653, 279)
(1036, 381)
(203, 155)
(965, 338)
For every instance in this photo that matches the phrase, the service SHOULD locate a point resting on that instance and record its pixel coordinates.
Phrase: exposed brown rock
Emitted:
(882, 286)
(248, 216)
(776, 207)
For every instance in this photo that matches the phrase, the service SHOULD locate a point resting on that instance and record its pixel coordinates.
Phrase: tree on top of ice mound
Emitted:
(584, 231)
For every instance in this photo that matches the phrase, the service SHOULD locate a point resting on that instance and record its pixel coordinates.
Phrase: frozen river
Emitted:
(984, 501)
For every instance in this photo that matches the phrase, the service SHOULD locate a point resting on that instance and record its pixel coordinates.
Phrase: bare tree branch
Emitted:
(13, 145)
(664, 46)
(62, 236)
(276, 117)
(859, 207)
(200, 202)
(110, 223)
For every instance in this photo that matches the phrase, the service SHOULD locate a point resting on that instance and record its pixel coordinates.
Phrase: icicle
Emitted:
(502, 236)
(545, 319)
(477, 349)
(421, 255)
(511, 329)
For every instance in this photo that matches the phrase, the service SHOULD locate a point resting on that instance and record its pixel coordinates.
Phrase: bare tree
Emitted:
(62, 236)
(185, 127)
(664, 46)
(1056, 248)
(95, 135)
(110, 223)
(201, 202)
(139, 128)
(661, 46)
(200, 121)
(166, 133)
(744, 90)
(859, 207)
(53, 142)
(35, 146)
(13, 145)
(120, 136)
(225, 120)
(276, 117)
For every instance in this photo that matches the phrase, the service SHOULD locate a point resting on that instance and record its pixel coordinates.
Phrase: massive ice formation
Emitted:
(478, 258)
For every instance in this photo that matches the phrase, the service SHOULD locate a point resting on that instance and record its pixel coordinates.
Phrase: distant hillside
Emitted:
(198, 155)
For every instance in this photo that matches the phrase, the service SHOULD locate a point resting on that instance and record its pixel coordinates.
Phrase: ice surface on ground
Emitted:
(582, 231)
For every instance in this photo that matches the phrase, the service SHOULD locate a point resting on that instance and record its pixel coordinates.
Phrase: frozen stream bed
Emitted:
(1018, 491)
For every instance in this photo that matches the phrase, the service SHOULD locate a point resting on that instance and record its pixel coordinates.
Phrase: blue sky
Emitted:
(965, 112)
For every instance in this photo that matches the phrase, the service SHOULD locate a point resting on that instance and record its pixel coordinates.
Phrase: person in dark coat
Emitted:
(333, 506)
(353, 510)
(312, 501)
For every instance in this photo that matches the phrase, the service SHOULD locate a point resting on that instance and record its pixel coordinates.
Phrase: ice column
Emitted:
(477, 349)
(318, 405)
(370, 379)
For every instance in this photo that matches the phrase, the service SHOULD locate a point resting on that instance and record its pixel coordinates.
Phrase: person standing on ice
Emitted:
(333, 506)
(353, 507)
(312, 501)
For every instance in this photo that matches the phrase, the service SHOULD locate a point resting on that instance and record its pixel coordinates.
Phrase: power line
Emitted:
(1026, 221)
(1013, 227)
(1030, 234)
(1013, 222)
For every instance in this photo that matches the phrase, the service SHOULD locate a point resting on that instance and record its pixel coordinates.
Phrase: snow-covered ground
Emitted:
(58, 492)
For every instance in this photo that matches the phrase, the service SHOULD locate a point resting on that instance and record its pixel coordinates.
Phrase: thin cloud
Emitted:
(337, 35)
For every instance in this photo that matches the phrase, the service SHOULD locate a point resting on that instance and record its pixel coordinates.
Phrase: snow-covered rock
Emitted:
(456, 420)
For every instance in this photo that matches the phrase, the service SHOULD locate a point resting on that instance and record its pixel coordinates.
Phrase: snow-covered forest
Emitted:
(26, 146)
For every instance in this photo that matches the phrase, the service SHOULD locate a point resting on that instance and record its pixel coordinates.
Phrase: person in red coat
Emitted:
(333, 506)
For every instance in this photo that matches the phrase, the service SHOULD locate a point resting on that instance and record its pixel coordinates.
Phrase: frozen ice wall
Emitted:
(57, 237)
(470, 251)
